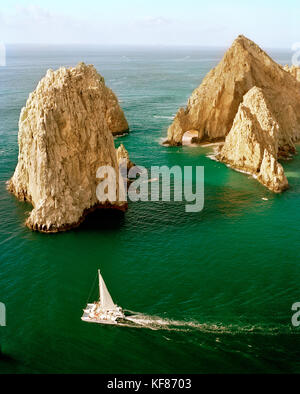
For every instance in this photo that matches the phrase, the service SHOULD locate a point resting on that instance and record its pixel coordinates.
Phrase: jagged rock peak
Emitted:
(123, 155)
(83, 73)
(212, 107)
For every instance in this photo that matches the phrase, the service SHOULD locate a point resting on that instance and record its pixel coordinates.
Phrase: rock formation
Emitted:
(64, 137)
(213, 105)
(253, 104)
(122, 154)
(294, 70)
(252, 144)
(115, 117)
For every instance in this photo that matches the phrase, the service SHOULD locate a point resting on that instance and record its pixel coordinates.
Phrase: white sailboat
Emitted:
(103, 311)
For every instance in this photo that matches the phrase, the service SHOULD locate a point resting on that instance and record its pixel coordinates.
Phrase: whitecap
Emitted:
(212, 157)
(163, 117)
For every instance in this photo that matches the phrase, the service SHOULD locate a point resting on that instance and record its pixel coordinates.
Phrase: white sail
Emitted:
(106, 301)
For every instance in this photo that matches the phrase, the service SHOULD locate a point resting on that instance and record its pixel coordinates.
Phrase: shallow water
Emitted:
(214, 289)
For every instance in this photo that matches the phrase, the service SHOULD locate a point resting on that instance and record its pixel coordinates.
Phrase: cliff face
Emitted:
(214, 104)
(115, 117)
(255, 141)
(64, 137)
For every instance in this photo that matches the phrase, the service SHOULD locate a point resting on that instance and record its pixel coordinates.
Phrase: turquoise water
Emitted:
(221, 282)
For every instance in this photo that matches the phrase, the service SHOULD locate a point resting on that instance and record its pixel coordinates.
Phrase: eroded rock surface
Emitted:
(214, 104)
(253, 104)
(123, 156)
(64, 137)
(115, 117)
(294, 70)
(253, 143)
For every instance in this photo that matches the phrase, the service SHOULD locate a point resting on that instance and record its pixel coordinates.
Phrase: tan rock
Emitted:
(252, 144)
(272, 174)
(115, 117)
(213, 105)
(123, 155)
(64, 137)
(294, 70)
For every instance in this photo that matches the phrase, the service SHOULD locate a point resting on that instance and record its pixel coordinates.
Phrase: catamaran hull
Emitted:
(110, 323)
(119, 322)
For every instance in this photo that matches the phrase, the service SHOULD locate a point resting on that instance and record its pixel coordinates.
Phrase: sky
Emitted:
(270, 23)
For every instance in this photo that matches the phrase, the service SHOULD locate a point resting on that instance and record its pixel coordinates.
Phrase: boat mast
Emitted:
(99, 276)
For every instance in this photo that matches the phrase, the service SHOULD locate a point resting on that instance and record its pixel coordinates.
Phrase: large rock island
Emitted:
(65, 135)
(253, 104)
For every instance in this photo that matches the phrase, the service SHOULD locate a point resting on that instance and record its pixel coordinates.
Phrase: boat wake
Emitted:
(139, 320)
(106, 312)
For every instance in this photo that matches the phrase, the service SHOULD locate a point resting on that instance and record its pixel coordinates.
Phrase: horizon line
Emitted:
(132, 45)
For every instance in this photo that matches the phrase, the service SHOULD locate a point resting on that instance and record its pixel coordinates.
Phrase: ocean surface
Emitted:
(214, 289)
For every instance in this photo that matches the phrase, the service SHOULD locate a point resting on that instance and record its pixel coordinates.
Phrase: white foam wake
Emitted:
(140, 320)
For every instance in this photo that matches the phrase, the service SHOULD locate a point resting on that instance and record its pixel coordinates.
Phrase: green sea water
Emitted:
(216, 287)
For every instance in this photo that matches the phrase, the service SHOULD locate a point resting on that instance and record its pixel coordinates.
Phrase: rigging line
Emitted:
(92, 289)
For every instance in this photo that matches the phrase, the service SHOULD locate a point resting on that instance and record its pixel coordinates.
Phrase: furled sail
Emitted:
(106, 301)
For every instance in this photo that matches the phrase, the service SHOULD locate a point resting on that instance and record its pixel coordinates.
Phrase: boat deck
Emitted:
(86, 318)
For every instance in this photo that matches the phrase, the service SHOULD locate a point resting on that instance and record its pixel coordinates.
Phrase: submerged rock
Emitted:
(64, 137)
(213, 105)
